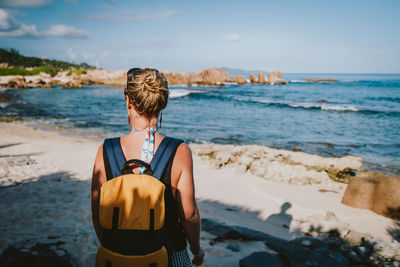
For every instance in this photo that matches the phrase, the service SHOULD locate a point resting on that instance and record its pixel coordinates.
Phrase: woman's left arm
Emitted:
(98, 179)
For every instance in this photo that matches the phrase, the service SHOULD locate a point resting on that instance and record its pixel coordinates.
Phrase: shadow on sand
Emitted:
(228, 223)
(47, 222)
(395, 231)
(276, 224)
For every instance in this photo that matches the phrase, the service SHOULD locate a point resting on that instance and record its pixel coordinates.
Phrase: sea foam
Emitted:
(304, 105)
(178, 93)
(325, 106)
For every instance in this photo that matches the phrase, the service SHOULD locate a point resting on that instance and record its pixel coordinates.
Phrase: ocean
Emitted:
(359, 114)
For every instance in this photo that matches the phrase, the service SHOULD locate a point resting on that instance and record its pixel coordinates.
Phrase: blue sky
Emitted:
(318, 36)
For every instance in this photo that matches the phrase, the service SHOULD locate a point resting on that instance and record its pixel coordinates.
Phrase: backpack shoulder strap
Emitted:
(114, 158)
(164, 152)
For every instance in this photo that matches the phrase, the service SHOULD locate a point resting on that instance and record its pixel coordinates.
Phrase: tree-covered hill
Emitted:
(17, 64)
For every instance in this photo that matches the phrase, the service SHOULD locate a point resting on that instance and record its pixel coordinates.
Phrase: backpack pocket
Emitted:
(137, 198)
(132, 213)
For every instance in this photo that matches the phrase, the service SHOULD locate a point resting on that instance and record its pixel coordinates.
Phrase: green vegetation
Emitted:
(35, 71)
(77, 72)
(17, 64)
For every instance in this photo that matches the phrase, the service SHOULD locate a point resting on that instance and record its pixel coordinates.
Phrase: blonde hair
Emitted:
(147, 90)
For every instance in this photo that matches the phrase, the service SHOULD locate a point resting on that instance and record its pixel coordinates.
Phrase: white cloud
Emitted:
(232, 37)
(64, 31)
(9, 27)
(6, 21)
(132, 16)
(25, 3)
(21, 31)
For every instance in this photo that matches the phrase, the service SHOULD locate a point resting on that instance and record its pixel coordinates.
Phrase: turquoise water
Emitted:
(356, 115)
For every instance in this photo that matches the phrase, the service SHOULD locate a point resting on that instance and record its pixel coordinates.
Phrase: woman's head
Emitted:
(147, 91)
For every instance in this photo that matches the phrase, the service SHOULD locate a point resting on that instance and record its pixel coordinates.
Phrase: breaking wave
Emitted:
(175, 93)
(325, 107)
(316, 106)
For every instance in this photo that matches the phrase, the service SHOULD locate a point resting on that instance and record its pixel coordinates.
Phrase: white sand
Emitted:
(53, 198)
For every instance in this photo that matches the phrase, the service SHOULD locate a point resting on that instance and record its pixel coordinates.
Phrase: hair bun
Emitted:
(147, 91)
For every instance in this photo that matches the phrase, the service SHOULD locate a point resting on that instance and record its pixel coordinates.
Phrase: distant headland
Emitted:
(18, 71)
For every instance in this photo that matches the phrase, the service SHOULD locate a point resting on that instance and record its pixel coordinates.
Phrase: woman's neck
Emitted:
(142, 122)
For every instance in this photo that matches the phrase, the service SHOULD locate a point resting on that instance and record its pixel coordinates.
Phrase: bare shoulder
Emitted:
(98, 177)
(99, 156)
(184, 149)
(182, 166)
(183, 154)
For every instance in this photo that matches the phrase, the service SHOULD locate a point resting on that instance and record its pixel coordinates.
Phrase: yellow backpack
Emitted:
(132, 208)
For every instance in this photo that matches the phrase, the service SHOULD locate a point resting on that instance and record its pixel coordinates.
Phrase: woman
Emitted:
(146, 96)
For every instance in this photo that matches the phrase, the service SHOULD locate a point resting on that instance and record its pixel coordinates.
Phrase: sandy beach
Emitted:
(291, 111)
(45, 191)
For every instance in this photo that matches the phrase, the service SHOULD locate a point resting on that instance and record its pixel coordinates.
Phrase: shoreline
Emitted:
(49, 194)
(325, 126)
(97, 135)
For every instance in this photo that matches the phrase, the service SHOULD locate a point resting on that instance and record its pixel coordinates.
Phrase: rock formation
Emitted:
(252, 78)
(211, 76)
(328, 250)
(318, 225)
(42, 84)
(279, 82)
(107, 77)
(239, 79)
(72, 85)
(274, 76)
(375, 192)
(341, 176)
(261, 78)
(87, 81)
(17, 82)
(175, 78)
(277, 165)
(56, 82)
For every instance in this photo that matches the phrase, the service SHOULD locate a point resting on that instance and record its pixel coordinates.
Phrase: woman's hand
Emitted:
(198, 257)
(185, 196)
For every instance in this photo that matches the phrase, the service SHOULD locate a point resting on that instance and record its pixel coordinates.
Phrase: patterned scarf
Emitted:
(148, 147)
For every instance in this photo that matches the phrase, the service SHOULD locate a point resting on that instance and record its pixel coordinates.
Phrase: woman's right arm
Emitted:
(98, 179)
(186, 197)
